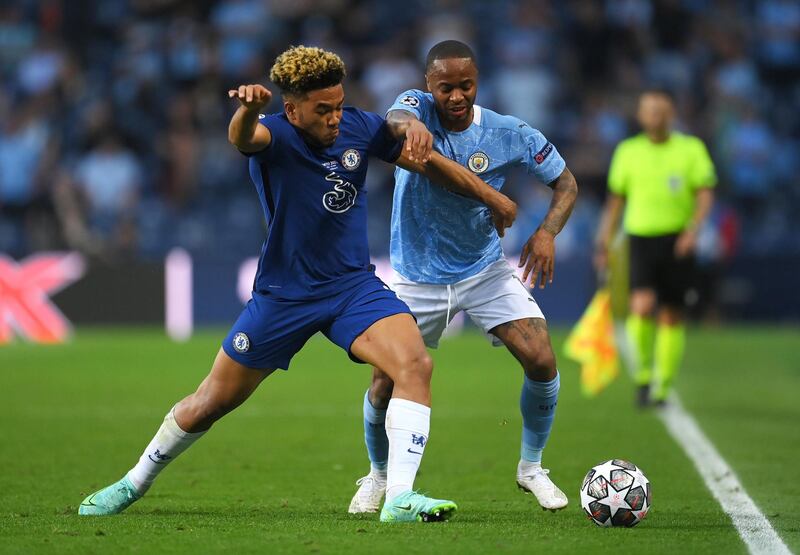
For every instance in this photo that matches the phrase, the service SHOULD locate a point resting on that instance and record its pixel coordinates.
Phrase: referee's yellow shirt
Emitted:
(659, 181)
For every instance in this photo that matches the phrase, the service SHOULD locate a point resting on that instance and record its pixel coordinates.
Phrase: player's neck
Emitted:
(310, 140)
(659, 136)
(458, 126)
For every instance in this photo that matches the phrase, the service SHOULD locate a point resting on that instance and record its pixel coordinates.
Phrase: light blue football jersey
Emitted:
(443, 237)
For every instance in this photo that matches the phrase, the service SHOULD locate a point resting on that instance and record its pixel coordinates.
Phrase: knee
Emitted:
(421, 367)
(417, 368)
(670, 316)
(539, 363)
(643, 302)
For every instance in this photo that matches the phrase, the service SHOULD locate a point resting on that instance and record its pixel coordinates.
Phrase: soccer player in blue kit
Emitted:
(308, 165)
(448, 256)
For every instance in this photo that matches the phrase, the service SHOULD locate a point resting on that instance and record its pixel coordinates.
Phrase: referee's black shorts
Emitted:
(653, 265)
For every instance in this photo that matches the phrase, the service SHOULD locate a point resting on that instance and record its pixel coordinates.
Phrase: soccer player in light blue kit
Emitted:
(448, 256)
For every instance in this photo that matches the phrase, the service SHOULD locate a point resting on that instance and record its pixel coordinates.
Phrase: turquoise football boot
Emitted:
(415, 507)
(110, 500)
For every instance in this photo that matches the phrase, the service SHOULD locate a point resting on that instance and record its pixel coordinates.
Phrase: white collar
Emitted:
(476, 114)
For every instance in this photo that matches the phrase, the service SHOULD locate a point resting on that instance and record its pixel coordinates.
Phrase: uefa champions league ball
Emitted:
(615, 493)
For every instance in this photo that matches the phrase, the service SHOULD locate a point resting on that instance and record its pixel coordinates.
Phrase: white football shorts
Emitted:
(493, 296)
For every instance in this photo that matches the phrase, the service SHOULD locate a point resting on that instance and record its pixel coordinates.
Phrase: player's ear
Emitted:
(290, 108)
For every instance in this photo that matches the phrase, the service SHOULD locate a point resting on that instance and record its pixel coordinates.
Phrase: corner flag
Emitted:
(591, 344)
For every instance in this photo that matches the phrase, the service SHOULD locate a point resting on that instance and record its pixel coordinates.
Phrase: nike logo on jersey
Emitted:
(415, 452)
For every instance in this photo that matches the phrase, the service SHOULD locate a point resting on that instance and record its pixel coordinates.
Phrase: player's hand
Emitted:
(252, 97)
(538, 257)
(504, 212)
(600, 259)
(419, 142)
(686, 243)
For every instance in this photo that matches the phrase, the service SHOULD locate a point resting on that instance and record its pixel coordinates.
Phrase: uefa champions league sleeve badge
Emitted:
(409, 100)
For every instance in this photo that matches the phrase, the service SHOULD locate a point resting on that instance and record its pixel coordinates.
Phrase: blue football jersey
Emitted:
(315, 205)
(442, 237)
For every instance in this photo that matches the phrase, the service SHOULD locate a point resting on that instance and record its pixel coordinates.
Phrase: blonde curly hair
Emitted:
(302, 69)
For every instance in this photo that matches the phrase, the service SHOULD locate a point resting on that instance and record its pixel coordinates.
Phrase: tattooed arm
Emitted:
(538, 254)
(565, 191)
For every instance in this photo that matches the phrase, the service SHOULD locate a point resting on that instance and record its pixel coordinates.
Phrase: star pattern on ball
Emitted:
(615, 493)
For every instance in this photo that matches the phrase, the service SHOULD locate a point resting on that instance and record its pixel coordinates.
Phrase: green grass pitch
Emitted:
(276, 476)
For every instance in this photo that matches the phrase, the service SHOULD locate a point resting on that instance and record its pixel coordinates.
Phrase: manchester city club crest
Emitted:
(478, 162)
(241, 342)
(351, 159)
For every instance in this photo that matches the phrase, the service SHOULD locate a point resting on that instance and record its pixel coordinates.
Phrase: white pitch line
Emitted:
(753, 527)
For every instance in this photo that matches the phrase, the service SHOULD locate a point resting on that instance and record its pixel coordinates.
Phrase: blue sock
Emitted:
(537, 403)
(375, 434)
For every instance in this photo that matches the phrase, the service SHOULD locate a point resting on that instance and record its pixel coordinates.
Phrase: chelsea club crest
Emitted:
(478, 162)
(241, 342)
(351, 159)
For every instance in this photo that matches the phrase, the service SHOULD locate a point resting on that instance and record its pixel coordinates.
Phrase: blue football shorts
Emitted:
(270, 330)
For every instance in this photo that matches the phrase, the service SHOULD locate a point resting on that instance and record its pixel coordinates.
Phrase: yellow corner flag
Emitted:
(591, 344)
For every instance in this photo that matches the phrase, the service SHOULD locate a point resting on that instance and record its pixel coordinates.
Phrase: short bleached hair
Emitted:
(302, 69)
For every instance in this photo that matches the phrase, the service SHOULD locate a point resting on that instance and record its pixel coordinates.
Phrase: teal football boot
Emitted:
(415, 507)
(110, 500)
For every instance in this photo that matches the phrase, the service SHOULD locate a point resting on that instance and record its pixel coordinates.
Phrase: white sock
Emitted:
(407, 427)
(526, 468)
(378, 473)
(169, 442)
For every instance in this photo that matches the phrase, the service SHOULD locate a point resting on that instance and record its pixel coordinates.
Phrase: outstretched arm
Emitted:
(454, 177)
(244, 132)
(418, 156)
(539, 252)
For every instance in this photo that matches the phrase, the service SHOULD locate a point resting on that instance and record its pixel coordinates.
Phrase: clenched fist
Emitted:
(419, 142)
(504, 212)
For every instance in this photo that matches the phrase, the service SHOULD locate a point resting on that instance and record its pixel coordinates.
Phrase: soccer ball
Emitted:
(615, 493)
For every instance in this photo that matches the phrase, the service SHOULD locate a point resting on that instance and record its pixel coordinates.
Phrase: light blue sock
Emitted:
(537, 403)
(375, 434)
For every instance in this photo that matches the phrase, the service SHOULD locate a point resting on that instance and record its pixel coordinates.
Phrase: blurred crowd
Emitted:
(113, 113)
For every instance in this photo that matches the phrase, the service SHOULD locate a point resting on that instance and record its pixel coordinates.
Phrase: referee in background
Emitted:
(663, 180)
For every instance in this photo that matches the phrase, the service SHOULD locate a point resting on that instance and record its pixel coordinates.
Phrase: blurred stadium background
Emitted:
(113, 118)
(121, 199)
